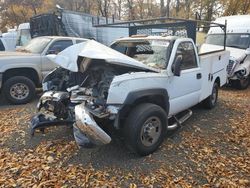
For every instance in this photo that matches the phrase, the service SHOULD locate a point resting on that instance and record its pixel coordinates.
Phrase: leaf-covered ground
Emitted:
(212, 149)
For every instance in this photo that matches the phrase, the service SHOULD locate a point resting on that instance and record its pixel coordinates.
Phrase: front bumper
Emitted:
(41, 121)
(86, 126)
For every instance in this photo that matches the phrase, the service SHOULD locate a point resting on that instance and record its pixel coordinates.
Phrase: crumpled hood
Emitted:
(14, 54)
(94, 50)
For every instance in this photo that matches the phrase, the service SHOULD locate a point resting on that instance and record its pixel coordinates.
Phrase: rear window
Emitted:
(2, 48)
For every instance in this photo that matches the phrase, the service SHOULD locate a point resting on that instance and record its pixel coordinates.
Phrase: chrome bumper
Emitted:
(1, 80)
(88, 127)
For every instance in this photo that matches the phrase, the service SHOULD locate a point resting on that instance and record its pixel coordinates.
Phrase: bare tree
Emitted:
(177, 9)
(118, 8)
(187, 8)
(130, 5)
(163, 9)
(168, 8)
(141, 7)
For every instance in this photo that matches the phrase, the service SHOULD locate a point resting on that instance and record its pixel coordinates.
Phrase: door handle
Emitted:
(198, 76)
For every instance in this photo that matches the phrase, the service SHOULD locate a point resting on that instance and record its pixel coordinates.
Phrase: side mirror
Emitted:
(247, 52)
(176, 67)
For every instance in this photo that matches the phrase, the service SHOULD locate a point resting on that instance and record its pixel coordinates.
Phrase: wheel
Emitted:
(145, 128)
(242, 83)
(211, 101)
(19, 90)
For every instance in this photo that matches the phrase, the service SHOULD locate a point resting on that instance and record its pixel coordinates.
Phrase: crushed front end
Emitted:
(78, 106)
(53, 109)
(78, 91)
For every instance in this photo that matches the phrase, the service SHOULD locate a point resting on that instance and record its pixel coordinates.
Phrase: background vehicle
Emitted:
(3, 45)
(139, 92)
(69, 23)
(23, 34)
(22, 71)
(8, 40)
(238, 43)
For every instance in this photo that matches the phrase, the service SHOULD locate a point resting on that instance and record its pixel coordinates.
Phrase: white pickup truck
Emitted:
(22, 71)
(144, 93)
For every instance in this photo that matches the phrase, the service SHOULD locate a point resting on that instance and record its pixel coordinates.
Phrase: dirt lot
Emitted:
(212, 149)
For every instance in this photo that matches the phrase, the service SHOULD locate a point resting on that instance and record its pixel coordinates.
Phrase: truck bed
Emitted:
(213, 66)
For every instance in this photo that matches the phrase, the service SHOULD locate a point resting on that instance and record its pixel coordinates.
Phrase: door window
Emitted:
(186, 50)
(59, 46)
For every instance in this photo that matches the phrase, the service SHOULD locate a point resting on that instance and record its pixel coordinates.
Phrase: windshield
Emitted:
(241, 41)
(153, 53)
(36, 45)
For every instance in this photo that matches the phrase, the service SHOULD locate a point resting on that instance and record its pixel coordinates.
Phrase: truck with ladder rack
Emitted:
(143, 85)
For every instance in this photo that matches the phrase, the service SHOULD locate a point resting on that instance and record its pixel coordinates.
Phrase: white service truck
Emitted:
(238, 43)
(144, 91)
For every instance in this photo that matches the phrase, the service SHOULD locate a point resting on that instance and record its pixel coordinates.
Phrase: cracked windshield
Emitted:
(153, 53)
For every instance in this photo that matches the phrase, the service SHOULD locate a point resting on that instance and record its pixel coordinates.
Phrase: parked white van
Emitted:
(238, 43)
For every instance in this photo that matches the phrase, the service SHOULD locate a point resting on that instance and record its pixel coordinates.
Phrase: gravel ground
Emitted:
(211, 149)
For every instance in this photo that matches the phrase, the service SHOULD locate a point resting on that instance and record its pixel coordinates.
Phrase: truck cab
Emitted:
(23, 34)
(238, 43)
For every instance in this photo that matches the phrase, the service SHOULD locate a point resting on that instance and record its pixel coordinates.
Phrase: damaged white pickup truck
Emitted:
(143, 91)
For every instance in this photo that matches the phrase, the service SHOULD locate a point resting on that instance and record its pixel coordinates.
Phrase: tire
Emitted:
(138, 122)
(19, 90)
(241, 84)
(211, 101)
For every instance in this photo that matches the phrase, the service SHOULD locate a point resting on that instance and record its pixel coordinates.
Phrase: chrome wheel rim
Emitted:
(151, 131)
(19, 91)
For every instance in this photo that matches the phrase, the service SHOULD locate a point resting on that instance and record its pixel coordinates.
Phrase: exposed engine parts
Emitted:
(66, 90)
(55, 103)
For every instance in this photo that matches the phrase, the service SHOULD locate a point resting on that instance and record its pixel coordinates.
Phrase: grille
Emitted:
(230, 67)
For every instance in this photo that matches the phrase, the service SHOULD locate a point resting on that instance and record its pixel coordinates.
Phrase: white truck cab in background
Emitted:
(23, 34)
(238, 43)
(8, 40)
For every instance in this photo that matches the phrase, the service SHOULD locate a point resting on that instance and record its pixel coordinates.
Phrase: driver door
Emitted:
(185, 89)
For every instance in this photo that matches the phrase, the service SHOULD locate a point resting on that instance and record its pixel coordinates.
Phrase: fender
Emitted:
(157, 96)
(135, 95)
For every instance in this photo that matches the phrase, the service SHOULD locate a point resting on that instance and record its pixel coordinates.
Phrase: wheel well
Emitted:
(27, 72)
(154, 99)
(159, 100)
(217, 80)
